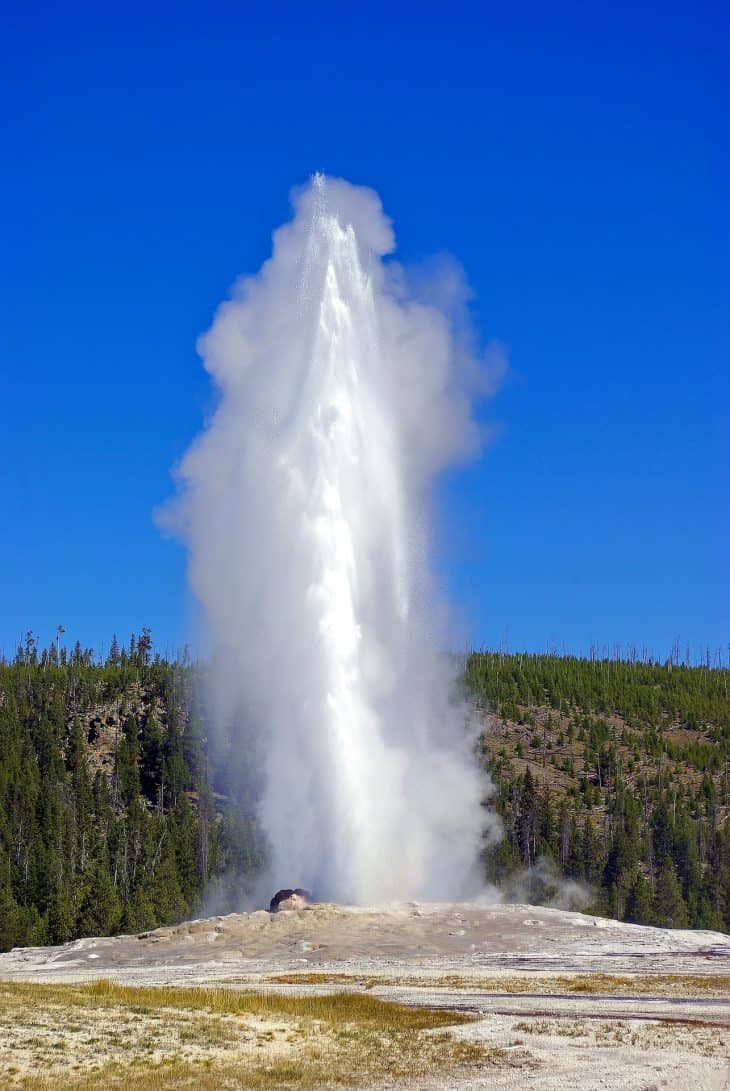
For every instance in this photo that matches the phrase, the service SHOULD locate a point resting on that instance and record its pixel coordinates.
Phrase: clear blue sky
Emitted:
(573, 157)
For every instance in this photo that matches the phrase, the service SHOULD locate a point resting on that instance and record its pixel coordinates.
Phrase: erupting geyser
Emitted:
(304, 506)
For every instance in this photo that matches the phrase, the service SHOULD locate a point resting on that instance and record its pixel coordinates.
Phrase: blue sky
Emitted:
(573, 158)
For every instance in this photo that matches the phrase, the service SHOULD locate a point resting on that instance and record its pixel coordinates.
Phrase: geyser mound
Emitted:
(305, 508)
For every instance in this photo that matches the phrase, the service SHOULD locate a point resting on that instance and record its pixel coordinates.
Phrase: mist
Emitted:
(345, 387)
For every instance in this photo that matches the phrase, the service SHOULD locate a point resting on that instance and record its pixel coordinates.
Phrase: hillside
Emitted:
(615, 772)
(109, 819)
(610, 774)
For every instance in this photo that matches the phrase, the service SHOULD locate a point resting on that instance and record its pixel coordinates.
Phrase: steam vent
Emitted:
(290, 899)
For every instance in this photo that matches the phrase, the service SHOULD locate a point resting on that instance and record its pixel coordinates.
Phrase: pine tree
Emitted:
(670, 910)
(150, 757)
(639, 903)
(100, 910)
(9, 919)
(126, 762)
(527, 819)
(61, 914)
(144, 647)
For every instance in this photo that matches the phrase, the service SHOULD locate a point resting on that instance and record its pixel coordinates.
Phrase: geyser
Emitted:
(304, 505)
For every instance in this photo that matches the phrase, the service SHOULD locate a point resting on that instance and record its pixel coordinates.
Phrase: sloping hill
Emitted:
(611, 780)
(615, 772)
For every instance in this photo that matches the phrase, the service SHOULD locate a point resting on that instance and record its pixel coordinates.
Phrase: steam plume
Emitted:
(304, 506)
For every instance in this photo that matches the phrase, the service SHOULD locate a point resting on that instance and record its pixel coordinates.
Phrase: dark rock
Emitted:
(296, 898)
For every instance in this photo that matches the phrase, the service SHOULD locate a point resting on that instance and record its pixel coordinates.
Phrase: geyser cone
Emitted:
(304, 509)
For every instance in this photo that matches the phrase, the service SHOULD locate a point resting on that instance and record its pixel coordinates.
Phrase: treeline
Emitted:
(114, 817)
(617, 774)
(650, 694)
(108, 818)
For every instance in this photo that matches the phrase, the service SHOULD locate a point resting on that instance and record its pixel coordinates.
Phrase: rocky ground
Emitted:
(561, 998)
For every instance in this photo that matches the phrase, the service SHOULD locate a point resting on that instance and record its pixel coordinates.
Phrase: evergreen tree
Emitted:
(639, 903)
(150, 758)
(527, 820)
(670, 910)
(127, 767)
(100, 910)
(61, 914)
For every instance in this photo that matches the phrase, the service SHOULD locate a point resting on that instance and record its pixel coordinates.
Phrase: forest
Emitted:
(612, 774)
(610, 777)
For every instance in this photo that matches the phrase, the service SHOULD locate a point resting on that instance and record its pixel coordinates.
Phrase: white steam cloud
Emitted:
(304, 504)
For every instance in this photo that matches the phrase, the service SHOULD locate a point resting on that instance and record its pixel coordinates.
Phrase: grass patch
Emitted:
(124, 1037)
(664, 985)
(333, 1008)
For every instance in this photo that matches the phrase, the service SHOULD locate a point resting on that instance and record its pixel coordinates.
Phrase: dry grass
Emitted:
(561, 1027)
(705, 1040)
(79, 1037)
(661, 985)
(664, 985)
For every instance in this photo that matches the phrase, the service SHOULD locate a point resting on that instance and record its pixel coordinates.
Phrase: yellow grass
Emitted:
(79, 1037)
(663, 985)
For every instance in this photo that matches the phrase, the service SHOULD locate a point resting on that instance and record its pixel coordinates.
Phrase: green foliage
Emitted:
(106, 815)
(637, 806)
(643, 691)
(612, 774)
(640, 902)
(670, 908)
